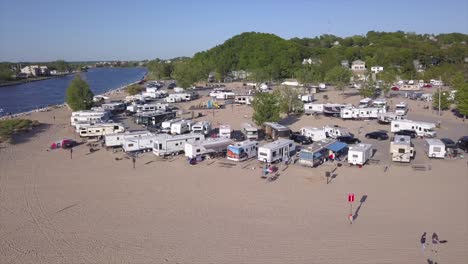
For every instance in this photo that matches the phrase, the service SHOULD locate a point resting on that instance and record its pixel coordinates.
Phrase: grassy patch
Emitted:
(12, 126)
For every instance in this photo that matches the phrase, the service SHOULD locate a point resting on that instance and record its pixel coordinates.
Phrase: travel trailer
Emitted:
(334, 109)
(142, 143)
(410, 87)
(361, 113)
(101, 129)
(388, 117)
(336, 131)
(222, 95)
(153, 118)
(243, 99)
(275, 130)
(117, 140)
(250, 131)
(401, 149)
(364, 103)
(277, 151)
(435, 148)
(306, 98)
(147, 107)
(202, 127)
(315, 154)
(89, 117)
(166, 125)
(380, 103)
(225, 131)
(114, 107)
(423, 129)
(359, 154)
(401, 108)
(207, 146)
(173, 98)
(242, 151)
(315, 134)
(181, 127)
(170, 145)
(135, 98)
(312, 108)
(154, 95)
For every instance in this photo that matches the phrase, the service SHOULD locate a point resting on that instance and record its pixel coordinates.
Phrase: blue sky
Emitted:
(142, 29)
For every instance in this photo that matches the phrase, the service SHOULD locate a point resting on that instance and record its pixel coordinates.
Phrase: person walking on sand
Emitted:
(435, 242)
(423, 242)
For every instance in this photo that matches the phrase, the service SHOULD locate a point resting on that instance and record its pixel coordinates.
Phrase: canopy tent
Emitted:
(337, 146)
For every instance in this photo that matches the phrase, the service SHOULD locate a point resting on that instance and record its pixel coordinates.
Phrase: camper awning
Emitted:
(336, 146)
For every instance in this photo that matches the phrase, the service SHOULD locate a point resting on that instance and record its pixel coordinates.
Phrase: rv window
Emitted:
(198, 150)
(177, 144)
(116, 127)
(290, 145)
(262, 154)
(437, 149)
(355, 156)
(117, 138)
(197, 138)
(160, 146)
(396, 125)
(130, 145)
(274, 154)
(401, 150)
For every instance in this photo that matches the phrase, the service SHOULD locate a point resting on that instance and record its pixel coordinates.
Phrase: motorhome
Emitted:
(88, 116)
(117, 140)
(380, 103)
(166, 125)
(315, 134)
(225, 131)
(153, 118)
(242, 150)
(275, 130)
(361, 113)
(435, 148)
(181, 127)
(388, 117)
(423, 129)
(250, 131)
(312, 108)
(401, 149)
(142, 143)
(401, 108)
(277, 151)
(243, 99)
(202, 127)
(101, 129)
(366, 102)
(359, 154)
(114, 107)
(170, 145)
(206, 147)
(336, 131)
(315, 154)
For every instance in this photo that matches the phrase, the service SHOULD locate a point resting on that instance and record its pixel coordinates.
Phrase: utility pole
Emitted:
(439, 93)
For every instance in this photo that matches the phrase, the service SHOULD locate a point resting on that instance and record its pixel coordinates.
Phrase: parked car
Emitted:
(380, 135)
(348, 139)
(395, 88)
(298, 138)
(427, 85)
(462, 143)
(410, 133)
(449, 143)
(237, 135)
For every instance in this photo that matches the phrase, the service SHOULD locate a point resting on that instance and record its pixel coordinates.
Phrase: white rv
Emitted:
(359, 154)
(142, 143)
(101, 129)
(315, 134)
(173, 98)
(277, 151)
(243, 99)
(207, 146)
(401, 149)
(169, 145)
(423, 129)
(380, 103)
(312, 108)
(225, 131)
(435, 148)
(242, 151)
(401, 108)
(88, 116)
(336, 131)
(150, 107)
(250, 131)
(366, 102)
(117, 140)
(361, 113)
(181, 127)
(388, 117)
(166, 125)
(202, 127)
(308, 98)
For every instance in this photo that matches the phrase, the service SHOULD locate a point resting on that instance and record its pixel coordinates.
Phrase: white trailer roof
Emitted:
(361, 147)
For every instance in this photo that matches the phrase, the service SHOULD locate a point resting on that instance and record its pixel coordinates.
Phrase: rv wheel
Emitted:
(433, 155)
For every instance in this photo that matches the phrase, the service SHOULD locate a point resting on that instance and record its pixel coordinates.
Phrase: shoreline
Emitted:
(18, 82)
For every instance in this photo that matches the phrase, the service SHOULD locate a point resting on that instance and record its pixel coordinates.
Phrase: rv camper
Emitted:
(114, 107)
(315, 134)
(388, 117)
(423, 129)
(366, 102)
(401, 108)
(202, 127)
(101, 129)
(243, 99)
(276, 151)
(359, 154)
(207, 146)
(166, 125)
(380, 103)
(308, 98)
(401, 149)
(435, 148)
(147, 107)
(87, 116)
(170, 145)
(312, 108)
(142, 143)
(242, 151)
(225, 131)
(334, 109)
(315, 154)
(336, 131)
(181, 127)
(173, 98)
(153, 118)
(117, 140)
(275, 130)
(250, 131)
(361, 113)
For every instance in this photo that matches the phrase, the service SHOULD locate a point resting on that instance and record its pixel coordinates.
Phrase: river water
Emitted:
(29, 96)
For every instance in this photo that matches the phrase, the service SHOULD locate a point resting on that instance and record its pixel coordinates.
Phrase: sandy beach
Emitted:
(95, 208)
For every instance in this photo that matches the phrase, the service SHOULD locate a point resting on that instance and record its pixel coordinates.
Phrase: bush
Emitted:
(134, 89)
(13, 126)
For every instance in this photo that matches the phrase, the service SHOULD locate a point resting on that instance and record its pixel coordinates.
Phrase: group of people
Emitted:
(435, 242)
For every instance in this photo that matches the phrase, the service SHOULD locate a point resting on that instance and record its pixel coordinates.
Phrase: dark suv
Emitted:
(410, 133)
(380, 135)
(462, 143)
(298, 138)
(348, 139)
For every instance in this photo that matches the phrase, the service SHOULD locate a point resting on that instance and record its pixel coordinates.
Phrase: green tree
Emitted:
(79, 96)
(388, 78)
(462, 99)
(266, 108)
(444, 102)
(339, 76)
(288, 100)
(368, 90)
(134, 89)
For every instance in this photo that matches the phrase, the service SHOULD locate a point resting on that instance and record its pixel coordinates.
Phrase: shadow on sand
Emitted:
(361, 202)
(23, 137)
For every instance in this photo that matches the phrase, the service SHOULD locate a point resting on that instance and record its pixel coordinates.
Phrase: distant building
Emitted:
(358, 66)
(240, 75)
(311, 61)
(345, 63)
(376, 69)
(32, 70)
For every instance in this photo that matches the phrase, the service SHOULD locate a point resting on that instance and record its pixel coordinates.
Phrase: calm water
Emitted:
(29, 96)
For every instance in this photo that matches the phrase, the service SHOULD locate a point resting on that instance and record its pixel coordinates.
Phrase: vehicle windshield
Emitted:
(402, 107)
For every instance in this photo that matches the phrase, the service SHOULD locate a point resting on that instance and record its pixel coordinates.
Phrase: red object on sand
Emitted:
(351, 197)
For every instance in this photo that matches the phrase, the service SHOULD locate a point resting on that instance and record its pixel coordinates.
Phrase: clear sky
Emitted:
(48, 30)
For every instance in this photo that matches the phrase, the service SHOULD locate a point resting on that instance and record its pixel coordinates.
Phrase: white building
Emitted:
(35, 70)
(376, 69)
(358, 66)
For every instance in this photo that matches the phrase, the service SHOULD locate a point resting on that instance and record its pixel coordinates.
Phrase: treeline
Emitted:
(9, 70)
(269, 57)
